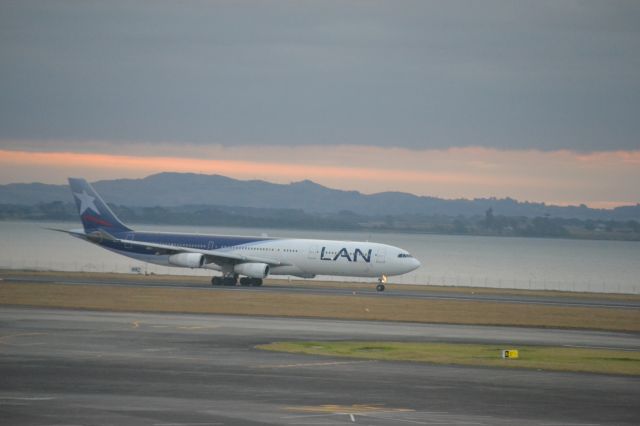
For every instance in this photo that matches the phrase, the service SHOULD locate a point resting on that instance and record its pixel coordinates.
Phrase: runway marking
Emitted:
(355, 409)
(313, 364)
(158, 349)
(136, 324)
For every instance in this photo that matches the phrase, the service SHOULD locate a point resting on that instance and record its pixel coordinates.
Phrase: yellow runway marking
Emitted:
(348, 409)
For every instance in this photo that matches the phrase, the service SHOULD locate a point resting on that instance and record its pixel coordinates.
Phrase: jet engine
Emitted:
(187, 260)
(253, 270)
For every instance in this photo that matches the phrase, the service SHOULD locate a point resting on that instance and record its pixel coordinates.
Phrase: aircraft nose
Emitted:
(415, 264)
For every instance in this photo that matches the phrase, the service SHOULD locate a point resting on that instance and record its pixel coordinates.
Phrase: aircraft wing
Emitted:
(212, 256)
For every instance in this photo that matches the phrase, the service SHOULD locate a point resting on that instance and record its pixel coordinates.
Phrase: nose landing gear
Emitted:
(381, 281)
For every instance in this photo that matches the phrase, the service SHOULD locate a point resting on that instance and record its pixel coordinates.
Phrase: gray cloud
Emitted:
(505, 74)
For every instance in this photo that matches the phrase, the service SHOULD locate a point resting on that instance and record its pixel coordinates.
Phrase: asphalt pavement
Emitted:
(68, 367)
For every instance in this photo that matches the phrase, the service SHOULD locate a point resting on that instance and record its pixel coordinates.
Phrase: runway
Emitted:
(82, 367)
(594, 301)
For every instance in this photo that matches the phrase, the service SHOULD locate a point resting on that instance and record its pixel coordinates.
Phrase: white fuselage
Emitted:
(307, 258)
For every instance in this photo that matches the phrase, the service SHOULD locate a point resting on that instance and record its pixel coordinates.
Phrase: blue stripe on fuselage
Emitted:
(201, 242)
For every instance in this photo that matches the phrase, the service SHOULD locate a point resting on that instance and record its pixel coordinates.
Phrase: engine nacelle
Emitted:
(253, 270)
(187, 260)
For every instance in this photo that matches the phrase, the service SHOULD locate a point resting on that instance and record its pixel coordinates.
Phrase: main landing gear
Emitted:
(381, 281)
(232, 280)
(250, 282)
(225, 281)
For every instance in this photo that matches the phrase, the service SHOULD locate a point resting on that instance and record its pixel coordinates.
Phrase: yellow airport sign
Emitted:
(510, 353)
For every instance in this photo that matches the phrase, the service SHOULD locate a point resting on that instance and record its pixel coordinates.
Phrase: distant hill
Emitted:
(178, 189)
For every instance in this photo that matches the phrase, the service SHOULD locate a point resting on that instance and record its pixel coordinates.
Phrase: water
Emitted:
(525, 263)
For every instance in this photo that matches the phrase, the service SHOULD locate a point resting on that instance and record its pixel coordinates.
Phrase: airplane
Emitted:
(241, 260)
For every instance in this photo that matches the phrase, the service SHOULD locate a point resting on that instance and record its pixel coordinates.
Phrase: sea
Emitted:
(447, 260)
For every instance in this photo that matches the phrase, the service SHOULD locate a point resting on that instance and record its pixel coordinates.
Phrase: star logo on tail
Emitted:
(86, 201)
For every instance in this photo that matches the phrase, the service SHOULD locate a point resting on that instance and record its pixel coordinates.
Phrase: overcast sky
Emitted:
(420, 74)
(423, 75)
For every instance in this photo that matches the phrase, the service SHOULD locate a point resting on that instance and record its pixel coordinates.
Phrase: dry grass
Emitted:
(194, 300)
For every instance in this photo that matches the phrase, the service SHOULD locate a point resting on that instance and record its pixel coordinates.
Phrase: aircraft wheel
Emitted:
(246, 281)
(257, 282)
(215, 281)
(380, 287)
(229, 281)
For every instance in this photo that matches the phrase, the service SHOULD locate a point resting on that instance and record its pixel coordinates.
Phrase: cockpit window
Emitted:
(403, 255)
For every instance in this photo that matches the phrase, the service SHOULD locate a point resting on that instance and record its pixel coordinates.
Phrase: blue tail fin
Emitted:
(94, 212)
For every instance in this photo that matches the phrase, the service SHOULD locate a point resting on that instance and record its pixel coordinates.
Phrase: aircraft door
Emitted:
(314, 252)
(381, 255)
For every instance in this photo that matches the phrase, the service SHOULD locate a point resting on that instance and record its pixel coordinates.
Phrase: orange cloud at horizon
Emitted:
(231, 167)
(600, 179)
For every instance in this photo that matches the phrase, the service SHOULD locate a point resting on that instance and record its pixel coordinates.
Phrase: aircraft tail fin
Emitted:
(94, 212)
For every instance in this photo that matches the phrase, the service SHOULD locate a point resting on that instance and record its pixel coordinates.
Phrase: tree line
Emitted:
(490, 224)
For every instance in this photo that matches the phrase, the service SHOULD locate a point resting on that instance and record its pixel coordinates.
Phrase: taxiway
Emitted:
(100, 368)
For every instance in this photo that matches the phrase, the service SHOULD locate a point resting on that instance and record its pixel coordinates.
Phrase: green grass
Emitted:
(605, 361)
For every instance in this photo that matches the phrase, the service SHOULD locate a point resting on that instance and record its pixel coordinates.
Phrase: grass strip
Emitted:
(605, 361)
(356, 307)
